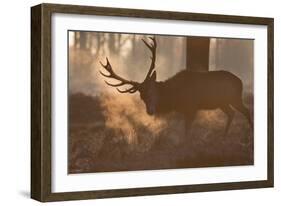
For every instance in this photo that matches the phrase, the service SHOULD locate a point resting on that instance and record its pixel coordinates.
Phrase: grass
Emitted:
(108, 133)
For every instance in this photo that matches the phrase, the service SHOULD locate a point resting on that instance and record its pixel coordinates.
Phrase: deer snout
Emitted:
(150, 111)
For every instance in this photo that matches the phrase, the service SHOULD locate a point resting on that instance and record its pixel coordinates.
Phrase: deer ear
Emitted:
(153, 76)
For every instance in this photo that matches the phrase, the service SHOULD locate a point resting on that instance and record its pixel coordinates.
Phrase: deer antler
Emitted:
(123, 81)
(135, 86)
(152, 48)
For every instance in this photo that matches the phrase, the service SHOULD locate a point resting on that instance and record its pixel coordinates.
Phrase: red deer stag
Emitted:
(186, 92)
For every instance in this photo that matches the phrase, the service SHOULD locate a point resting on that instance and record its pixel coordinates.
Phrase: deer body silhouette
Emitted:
(186, 92)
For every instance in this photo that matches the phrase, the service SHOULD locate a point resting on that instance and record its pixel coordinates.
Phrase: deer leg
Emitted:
(244, 110)
(189, 118)
(230, 114)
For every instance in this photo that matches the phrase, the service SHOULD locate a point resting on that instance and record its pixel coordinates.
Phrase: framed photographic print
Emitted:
(132, 102)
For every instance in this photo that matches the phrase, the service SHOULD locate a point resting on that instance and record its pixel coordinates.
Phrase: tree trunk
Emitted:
(83, 40)
(111, 44)
(197, 53)
(76, 39)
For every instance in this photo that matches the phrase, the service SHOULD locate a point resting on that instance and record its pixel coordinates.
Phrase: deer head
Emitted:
(147, 89)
